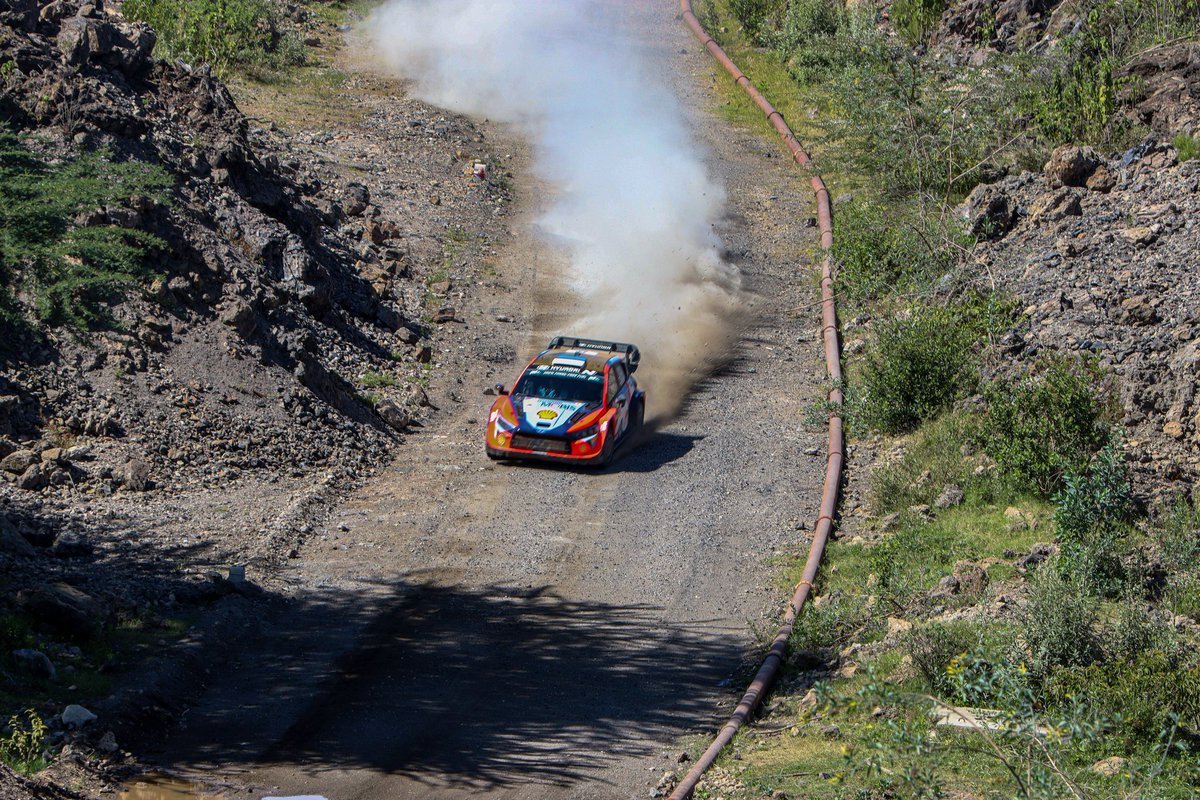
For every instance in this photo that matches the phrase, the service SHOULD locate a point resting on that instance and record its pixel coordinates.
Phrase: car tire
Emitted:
(639, 415)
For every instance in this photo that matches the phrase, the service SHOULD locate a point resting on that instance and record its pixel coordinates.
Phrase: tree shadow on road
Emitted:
(451, 687)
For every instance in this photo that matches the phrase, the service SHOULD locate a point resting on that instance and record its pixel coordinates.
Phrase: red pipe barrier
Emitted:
(773, 661)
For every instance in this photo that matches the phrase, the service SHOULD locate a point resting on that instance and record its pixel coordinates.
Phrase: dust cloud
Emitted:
(632, 206)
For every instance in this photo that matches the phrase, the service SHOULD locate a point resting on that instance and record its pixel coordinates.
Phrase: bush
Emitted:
(223, 33)
(1091, 514)
(916, 19)
(1144, 691)
(1188, 147)
(68, 268)
(881, 250)
(23, 747)
(753, 14)
(939, 649)
(841, 619)
(917, 367)
(1060, 624)
(1046, 424)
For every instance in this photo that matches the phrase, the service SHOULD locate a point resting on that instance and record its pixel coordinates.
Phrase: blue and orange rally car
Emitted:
(577, 402)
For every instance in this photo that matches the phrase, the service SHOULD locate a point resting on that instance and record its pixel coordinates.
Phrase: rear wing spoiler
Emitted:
(630, 351)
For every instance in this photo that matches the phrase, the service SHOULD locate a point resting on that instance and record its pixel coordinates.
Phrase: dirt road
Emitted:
(461, 628)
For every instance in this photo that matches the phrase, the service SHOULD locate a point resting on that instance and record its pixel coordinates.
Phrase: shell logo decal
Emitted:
(547, 413)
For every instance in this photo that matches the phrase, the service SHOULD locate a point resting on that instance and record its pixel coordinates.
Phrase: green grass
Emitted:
(1188, 147)
(377, 380)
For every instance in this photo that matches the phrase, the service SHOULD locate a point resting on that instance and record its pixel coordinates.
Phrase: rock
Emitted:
(76, 716)
(1037, 554)
(135, 476)
(19, 461)
(1137, 311)
(446, 314)
(1070, 165)
(35, 662)
(108, 743)
(950, 497)
(1110, 767)
(241, 317)
(1017, 519)
(80, 39)
(394, 415)
(13, 543)
(35, 478)
(1102, 180)
(71, 545)
(63, 608)
(1141, 235)
(1055, 206)
(988, 212)
(831, 731)
(972, 578)
(355, 199)
(946, 586)
(897, 626)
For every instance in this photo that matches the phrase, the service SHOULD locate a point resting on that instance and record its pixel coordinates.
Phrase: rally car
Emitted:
(576, 402)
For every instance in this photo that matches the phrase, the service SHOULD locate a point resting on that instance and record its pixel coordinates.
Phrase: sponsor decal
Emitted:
(547, 413)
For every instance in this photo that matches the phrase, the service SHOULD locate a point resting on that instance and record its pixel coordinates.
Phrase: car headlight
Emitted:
(504, 425)
(587, 433)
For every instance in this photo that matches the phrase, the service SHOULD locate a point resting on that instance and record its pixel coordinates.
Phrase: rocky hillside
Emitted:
(1102, 254)
(278, 350)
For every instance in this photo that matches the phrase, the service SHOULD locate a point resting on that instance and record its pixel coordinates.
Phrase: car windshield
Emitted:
(571, 388)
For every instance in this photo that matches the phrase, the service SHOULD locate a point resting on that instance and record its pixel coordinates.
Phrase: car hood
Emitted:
(553, 417)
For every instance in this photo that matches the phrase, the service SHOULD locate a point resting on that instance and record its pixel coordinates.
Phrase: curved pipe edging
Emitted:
(773, 661)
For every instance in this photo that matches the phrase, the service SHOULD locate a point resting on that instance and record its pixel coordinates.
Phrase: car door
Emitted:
(618, 393)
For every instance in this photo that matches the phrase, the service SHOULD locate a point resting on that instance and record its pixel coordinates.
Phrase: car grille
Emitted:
(540, 444)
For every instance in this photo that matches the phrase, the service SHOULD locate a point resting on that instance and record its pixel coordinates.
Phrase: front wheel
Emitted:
(639, 414)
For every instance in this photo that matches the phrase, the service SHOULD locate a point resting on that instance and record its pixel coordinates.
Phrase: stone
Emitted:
(241, 317)
(63, 608)
(35, 478)
(1110, 767)
(951, 496)
(897, 626)
(394, 415)
(446, 314)
(831, 731)
(19, 461)
(1141, 235)
(1017, 519)
(1137, 311)
(988, 212)
(71, 545)
(1055, 206)
(1102, 180)
(34, 662)
(13, 543)
(1071, 165)
(108, 743)
(972, 578)
(946, 586)
(135, 476)
(1037, 554)
(76, 716)
(355, 200)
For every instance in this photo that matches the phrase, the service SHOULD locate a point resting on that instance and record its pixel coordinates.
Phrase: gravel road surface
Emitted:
(462, 628)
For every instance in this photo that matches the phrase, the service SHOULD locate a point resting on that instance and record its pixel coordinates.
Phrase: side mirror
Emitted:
(500, 390)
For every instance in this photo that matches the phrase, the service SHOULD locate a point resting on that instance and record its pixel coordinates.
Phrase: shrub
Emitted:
(753, 14)
(883, 249)
(223, 33)
(67, 267)
(1045, 424)
(916, 19)
(1188, 147)
(23, 747)
(1060, 624)
(1091, 514)
(1144, 691)
(841, 619)
(916, 368)
(939, 649)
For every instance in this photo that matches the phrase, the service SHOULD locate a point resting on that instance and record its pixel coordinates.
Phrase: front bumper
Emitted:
(521, 445)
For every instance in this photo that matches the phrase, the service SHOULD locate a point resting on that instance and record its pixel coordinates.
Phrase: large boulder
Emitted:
(62, 608)
(1071, 165)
